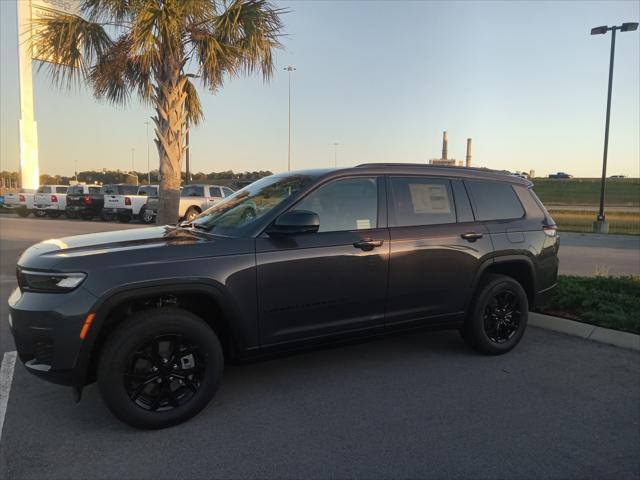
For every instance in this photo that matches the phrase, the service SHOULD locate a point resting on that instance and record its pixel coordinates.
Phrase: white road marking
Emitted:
(6, 376)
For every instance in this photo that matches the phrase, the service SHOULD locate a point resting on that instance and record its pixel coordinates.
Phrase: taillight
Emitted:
(54, 198)
(87, 199)
(127, 201)
(22, 199)
(550, 230)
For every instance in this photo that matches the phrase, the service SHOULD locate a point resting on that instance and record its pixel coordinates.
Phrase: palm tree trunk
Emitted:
(170, 131)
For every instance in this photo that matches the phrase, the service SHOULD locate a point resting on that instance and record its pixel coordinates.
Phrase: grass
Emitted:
(586, 191)
(581, 221)
(610, 302)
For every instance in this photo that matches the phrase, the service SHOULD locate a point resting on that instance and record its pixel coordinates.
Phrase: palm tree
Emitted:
(154, 49)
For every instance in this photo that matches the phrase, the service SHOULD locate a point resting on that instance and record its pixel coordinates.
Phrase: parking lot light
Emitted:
(600, 225)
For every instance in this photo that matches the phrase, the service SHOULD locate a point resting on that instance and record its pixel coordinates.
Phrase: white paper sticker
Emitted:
(361, 224)
(429, 198)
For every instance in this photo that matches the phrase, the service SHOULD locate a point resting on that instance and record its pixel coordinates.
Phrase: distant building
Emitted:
(444, 161)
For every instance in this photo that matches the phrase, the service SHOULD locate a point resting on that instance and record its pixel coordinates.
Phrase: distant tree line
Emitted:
(226, 178)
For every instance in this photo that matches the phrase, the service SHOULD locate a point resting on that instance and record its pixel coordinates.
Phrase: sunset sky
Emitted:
(524, 79)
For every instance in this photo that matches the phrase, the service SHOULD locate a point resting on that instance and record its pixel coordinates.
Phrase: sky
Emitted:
(382, 79)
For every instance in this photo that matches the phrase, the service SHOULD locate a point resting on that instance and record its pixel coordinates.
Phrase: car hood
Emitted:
(123, 246)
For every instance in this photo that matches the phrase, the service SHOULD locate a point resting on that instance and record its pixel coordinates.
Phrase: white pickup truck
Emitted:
(21, 202)
(194, 199)
(116, 199)
(127, 207)
(50, 200)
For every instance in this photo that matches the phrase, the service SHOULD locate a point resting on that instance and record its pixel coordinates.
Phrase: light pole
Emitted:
(600, 226)
(148, 164)
(335, 154)
(289, 68)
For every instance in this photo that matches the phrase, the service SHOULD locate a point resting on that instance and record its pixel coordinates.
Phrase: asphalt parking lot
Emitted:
(419, 406)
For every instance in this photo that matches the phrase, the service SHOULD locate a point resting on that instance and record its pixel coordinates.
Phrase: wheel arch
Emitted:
(519, 267)
(204, 299)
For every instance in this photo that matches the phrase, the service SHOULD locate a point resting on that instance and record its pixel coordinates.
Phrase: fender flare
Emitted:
(124, 293)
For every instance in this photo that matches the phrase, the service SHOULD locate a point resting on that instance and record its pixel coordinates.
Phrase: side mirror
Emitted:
(295, 222)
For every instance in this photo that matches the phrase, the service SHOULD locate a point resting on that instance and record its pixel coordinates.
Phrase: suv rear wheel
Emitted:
(160, 368)
(498, 316)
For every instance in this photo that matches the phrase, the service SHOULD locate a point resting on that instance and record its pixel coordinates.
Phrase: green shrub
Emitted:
(611, 302)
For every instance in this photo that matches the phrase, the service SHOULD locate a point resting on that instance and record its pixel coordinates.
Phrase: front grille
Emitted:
(42, 346)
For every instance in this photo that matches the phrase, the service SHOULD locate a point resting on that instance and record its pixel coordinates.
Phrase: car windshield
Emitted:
(249, 204)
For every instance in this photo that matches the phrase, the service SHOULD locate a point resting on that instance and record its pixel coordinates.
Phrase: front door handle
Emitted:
(368, 244)
(471, 236)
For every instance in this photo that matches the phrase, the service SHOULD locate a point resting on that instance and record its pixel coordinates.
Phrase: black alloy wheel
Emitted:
(498, 315)
(502, 316)
(164, 373)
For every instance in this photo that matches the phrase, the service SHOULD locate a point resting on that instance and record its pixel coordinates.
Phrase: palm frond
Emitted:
(73, 42)
(192, 104)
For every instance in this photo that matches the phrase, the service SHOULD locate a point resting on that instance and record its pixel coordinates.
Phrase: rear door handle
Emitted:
(368, 244)
(471, 236)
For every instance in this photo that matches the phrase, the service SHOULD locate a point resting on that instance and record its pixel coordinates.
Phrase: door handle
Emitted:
(471, 236)
(368, 244)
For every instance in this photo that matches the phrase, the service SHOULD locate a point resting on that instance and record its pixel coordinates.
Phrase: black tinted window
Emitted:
(61, 189)
(128, 189)
(420, 201)
(44, 190)
(109, 189)
(148, 190)
(192, 191)
(227, 191)
(347, 204)
(494, 200)
(76, 190)
(215, 192)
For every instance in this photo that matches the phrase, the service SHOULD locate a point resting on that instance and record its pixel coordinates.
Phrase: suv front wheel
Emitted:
(160, 368)
(498, 316)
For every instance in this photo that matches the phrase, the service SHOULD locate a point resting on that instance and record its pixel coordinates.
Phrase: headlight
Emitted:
(51, 282)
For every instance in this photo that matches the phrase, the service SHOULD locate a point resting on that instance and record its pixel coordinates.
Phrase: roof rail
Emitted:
(428, 165)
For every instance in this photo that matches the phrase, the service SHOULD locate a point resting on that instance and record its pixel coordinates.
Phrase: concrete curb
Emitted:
(626, 340)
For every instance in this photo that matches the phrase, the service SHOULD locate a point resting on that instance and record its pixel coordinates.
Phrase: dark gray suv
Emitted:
(302, 258)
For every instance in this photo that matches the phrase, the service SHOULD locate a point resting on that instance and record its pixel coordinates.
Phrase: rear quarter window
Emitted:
(494, 200)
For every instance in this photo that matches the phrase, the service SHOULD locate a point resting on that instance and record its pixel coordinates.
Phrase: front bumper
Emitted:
(46, 329)
(543, 297)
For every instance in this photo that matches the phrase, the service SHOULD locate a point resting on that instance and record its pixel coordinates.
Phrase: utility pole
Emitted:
(186, 153)
(148, 164)
(289, 69)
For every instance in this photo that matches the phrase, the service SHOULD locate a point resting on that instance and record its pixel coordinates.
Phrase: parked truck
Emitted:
(50, 200)
(128, 207)
(194, 199)
(21, 202)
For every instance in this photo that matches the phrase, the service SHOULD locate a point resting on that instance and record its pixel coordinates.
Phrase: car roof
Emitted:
(468, 173)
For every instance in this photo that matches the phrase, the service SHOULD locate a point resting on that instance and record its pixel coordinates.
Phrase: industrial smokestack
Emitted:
(468, 152)
(445, 144)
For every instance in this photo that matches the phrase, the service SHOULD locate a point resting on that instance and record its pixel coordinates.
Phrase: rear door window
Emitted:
(494, 200)
(420, 201)
(192, 191)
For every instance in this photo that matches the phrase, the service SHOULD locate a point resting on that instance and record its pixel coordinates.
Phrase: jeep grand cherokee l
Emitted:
(293, 259)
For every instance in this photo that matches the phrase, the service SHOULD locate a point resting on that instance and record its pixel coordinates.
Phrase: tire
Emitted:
(192, 212)
(70, 214)
(23, 212)
(489, 327)
(130, 349)
(54, 213)
(124, 218)
(146, 216)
